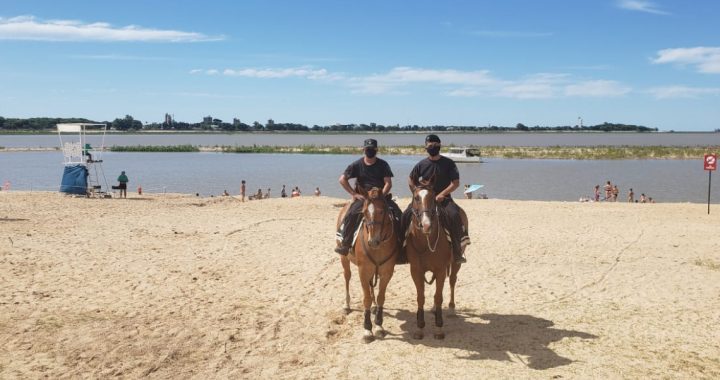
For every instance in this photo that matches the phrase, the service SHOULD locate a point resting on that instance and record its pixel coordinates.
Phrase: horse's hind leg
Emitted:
(347, 274)
(453, 280)
(437, 309)
(419, 281)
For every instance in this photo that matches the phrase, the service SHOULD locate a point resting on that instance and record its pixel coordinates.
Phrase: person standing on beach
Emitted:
(608, 191)
(615, 193)
(446, 179)
(242, 190)
(123, 180)
(283, 193)
(597, 193)
(368, 171)
(317, 191)
(631, 196)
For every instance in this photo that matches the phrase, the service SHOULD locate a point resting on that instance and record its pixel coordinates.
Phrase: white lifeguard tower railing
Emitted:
(76, 143)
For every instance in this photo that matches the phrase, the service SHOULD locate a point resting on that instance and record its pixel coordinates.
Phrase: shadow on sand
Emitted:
(496, 337)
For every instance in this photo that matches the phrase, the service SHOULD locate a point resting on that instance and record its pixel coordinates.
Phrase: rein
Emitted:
(418, 226)
(366, 249)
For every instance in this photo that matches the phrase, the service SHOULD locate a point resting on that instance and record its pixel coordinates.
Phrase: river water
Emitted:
(398, 139)
(211, 173)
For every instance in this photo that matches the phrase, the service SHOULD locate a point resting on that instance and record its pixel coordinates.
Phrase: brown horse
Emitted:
(374, 254)
(428, 250)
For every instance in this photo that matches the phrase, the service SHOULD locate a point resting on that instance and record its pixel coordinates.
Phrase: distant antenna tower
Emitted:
(580, 122)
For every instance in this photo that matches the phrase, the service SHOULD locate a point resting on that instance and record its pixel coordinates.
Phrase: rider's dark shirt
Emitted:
(369, 176)
(444, 170)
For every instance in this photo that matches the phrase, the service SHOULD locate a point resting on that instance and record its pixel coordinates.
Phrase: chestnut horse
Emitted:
(428, 250)
(374, 254)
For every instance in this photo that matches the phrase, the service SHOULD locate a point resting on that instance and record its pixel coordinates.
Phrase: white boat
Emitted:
(463, 154)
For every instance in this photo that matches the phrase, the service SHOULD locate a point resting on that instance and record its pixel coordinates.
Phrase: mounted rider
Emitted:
(368, 171)
(446, 178)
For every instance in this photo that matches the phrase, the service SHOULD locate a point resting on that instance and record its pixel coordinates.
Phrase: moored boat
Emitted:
(463, 154)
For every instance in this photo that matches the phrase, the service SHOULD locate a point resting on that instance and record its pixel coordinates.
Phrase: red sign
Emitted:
(710, 162)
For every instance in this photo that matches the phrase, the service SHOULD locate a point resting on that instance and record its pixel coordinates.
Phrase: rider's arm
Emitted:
(388, 185)
(346, 186)
(411, 184)
(448, 190)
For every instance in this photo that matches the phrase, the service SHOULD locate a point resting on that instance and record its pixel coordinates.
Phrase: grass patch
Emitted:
(155, 148)
(708, 263)
(508, 152)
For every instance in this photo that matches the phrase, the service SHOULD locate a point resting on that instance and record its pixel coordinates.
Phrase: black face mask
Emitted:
(433, 150)
(370, 153)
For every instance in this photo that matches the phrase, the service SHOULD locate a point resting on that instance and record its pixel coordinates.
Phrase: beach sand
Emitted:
(173, 286)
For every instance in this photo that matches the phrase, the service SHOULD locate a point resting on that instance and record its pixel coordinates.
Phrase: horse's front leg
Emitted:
(437, 308)
(419, 281)
(367, 304)
(386, 274)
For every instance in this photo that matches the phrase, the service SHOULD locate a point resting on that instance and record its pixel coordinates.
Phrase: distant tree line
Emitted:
(128, 123)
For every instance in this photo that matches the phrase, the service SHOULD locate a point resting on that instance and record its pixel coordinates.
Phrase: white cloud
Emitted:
(597, 89)
(673, 92)
(118, 57)
(458, 83)
(29, 28)
(464, 92)
(641, 6)
(705, 59)
(401, 76)
(298, 72)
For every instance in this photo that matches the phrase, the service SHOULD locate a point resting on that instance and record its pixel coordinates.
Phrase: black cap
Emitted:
(370, 143)
(432, 138)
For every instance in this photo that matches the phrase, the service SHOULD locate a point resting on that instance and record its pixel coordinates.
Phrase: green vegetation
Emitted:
(512, 152)
(596, 152)
(210, 124)
(151, 148)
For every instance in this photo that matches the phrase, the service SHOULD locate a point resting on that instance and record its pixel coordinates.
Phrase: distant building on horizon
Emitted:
(207, 120)
(169, 119)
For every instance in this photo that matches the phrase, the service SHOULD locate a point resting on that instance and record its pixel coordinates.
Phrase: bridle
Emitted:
(366, 226)
(432, 212)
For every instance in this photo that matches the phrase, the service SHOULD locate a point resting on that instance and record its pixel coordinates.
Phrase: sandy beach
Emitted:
(174, 286)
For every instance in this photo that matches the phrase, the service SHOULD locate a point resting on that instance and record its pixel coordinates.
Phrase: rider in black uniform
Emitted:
(447, 179)
(369, 171)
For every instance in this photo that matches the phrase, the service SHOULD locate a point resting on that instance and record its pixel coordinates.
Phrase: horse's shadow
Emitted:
(497, 337)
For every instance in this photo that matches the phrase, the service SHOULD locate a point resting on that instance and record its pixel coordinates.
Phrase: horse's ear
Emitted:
(431, 181)
(374, 193)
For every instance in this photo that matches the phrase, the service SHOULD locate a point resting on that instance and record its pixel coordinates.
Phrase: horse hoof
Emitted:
(347, 310)
(368, 337)
(439, 335)
(418, 335)
(380, 332)
(452, 305)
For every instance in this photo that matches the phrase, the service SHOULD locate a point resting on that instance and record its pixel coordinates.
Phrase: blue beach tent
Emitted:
(74, 180)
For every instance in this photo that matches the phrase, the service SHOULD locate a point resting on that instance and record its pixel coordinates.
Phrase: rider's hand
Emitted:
(358, 196)
(439, 198)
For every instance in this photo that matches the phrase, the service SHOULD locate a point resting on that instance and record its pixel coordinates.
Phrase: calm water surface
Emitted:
(404, 139)
(211, 173)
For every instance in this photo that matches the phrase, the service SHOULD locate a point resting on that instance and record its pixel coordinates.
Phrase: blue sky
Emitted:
(653, 63)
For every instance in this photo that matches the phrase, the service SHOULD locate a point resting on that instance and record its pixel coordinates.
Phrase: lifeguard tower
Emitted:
(83, 173)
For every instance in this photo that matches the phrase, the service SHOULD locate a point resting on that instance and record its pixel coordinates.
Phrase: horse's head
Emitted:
(423, 205)
(375, 211)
